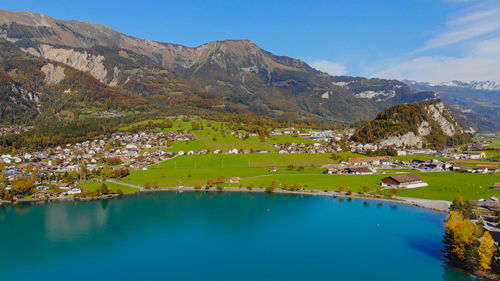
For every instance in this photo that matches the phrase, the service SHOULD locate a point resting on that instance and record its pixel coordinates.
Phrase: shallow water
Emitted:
(222, 236)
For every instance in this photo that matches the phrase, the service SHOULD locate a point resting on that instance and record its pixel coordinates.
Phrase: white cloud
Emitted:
(476, 28)
(440, 69)
(472, 22)
(329, 67)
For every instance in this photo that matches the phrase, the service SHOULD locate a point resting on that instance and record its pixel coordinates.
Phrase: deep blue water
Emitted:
(222, 236)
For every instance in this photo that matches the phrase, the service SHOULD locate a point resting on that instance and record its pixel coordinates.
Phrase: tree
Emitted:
(197, 185)
(341, 188)
(83, 172)
(221, 179)
(464, 207)
(366, 188)
(487, 249)
(104, 189)
(394, 191)
(461, 241)
(457, 203)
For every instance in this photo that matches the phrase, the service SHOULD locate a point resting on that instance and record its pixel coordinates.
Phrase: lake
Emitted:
(222, 236)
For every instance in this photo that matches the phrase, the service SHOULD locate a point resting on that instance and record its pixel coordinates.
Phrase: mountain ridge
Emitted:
(238, 73)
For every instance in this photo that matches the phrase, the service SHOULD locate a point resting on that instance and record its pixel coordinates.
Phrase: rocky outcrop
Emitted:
(413, 125)
(53, 73)
(82, 61)
(440, 113)
(408, 139)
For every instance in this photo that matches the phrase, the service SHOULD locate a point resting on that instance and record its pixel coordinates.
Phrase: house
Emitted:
(359, 171)
(401, 152)
(491, 202)
(369, 160)
(476, 154)
(233, 151)
(496, 185)
(463, 169)
(42, 194)
(332, 171)
(234, 180)
(64, 186)
(273, 169)
(74, 190)
(484, 168)
(403, 181)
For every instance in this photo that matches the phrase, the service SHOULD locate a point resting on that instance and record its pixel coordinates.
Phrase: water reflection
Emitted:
(170, 228)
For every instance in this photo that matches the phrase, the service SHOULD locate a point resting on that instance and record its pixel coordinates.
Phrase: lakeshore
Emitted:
(435, 205)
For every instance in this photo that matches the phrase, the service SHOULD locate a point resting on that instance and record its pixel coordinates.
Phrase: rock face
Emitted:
(80, 60)
(53, 73)
(413, 125)
(237, 72)
(443, 117)
(408, 139)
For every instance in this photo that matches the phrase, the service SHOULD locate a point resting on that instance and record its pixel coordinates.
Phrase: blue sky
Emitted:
(425, 40)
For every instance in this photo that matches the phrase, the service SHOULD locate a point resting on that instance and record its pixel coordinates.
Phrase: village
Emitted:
(112, 157)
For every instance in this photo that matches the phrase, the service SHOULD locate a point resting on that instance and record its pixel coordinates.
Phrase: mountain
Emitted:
(415, 125)
(473, 85)
(478, 109)
(234, 76)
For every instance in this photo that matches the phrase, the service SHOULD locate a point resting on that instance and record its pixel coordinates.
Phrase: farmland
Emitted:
(302, 170)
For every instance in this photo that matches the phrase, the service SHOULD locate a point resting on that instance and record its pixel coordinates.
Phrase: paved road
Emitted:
(126, 184)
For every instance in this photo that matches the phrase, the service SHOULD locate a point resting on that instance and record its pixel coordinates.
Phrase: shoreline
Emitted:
(441, 206)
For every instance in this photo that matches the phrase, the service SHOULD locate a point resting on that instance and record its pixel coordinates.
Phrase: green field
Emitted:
(445, 186)
(253, 169)
(215, 137)
(189, 169)
(418, 157)
(95, 185)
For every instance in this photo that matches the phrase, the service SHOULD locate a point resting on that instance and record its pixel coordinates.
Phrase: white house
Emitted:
(74, 190)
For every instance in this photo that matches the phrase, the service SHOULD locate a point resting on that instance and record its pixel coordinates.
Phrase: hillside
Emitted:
(229, 76)
(415, 125)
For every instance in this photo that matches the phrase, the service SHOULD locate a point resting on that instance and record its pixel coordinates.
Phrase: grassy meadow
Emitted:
(93, 186)
(218, 136)
(253, 169)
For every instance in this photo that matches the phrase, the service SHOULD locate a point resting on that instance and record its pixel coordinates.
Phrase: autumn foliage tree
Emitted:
(486, 251)
(466, 246)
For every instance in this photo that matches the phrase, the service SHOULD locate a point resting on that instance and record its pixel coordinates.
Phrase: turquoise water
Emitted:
(222, 236)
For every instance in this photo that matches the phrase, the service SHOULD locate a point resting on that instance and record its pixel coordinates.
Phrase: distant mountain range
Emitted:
(473, 85)
(74, 67)
(476, 104)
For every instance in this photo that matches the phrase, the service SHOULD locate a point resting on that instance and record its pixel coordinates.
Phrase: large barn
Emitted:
(403, 181)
